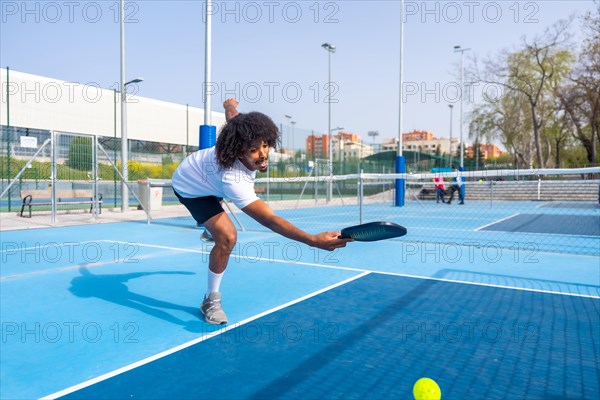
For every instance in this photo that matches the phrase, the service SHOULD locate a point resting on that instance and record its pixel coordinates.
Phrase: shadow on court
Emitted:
(353, 338)
(113, 289)
(377, 335)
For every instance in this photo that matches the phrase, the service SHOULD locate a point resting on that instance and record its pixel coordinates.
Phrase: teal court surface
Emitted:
(493, 304)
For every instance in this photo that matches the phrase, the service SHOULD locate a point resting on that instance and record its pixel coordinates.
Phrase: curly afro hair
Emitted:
(242, 132)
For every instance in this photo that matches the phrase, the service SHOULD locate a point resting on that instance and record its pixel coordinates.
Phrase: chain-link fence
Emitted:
(560, 206)
(74, 163)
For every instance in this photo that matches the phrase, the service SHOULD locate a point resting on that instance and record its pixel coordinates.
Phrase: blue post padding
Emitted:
(400, 184)
(208, 136)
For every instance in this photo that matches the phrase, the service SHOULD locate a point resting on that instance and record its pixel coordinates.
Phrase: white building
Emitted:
(433, 145)
(343, 150)
(38, 102)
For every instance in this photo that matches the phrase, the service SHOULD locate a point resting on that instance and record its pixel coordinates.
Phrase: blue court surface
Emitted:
(583, 225)
(110, 311)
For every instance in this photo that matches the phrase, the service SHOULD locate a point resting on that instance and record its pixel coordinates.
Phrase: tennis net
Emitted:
(555, 210)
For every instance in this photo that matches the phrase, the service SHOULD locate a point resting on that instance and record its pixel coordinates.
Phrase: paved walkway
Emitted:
(43, 219)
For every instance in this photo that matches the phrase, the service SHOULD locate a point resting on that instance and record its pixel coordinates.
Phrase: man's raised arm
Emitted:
(230, 108)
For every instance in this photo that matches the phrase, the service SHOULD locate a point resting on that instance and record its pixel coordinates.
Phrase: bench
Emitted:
(33, 198)
(429, 193)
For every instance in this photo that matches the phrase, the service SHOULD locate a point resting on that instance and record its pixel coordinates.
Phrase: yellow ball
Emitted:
(427, 389)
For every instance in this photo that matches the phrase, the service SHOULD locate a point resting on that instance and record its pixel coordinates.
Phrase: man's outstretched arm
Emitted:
(261, 212)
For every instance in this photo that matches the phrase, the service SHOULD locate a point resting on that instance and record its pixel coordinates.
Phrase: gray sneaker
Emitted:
(206, 236)
(212, 309)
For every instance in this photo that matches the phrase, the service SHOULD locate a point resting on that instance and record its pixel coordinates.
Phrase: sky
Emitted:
(268, 54)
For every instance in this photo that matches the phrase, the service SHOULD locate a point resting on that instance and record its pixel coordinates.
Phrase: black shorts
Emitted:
(201, 208)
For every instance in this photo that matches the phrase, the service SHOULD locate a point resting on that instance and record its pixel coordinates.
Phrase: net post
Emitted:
(208, 136)
(400, 183)
(208, 139)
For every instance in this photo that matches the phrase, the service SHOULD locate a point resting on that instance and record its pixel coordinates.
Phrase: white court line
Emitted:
(195, 341)
(553, 235)
(533, 233)
(362, 270)
(270, 259)
(169, 248)
(362, 273)
(251, 258)
(337, 267)
(554, 205)
(589, 296)
(423, 217)
(497, 221)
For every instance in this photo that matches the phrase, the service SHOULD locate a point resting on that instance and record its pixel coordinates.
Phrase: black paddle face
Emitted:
(373, 231)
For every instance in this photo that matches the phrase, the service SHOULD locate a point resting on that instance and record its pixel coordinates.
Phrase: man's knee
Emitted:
(226, 240)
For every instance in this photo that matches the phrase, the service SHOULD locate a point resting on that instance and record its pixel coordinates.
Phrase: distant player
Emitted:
(439, 188)
(228, 171)
(457, 183)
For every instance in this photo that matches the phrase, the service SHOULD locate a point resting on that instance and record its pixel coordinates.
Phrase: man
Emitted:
(456, 187)
(228, 170)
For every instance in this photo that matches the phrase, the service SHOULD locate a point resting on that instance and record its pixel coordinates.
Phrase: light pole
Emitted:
(459, 49)
(293, 151)
(451, 106)
(124, 147)
(330, 49)
(115, 91)
(208, 131)
(400, 167)
(289, 118)
(373, 134)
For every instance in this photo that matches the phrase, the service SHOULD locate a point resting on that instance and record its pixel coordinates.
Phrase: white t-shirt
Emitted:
(199, 175)
(458, 178)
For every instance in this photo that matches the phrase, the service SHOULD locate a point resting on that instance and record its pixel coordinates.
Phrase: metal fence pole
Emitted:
(8, 132)
(95, 176)
(53, 147)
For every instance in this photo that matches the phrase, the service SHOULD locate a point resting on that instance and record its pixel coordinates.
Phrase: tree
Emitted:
(580, 98)
(532, 73)
(558, 135)
(505, 119)
(481, 127)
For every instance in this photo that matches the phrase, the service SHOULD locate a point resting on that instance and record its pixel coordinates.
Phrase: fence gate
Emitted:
(61, 174)
(74, 173)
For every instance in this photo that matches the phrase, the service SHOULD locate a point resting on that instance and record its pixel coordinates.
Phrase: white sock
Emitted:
(214, 281)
